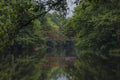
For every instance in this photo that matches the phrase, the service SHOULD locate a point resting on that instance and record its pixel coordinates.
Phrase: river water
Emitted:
(59, 58)
(61, 78)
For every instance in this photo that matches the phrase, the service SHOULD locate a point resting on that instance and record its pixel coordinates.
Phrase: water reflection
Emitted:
(31, 66)
(62, 77)
(57, 58)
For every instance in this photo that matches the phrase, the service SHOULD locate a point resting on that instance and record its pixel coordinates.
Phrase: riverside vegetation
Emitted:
(23, 46)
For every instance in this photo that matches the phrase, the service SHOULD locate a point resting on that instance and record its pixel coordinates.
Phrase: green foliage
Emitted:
(22, 68)
(21, 36)
(17, 15)
(96, 25)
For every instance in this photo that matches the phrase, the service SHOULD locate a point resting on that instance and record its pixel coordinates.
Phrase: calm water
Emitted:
(59, 51)
(61, 78)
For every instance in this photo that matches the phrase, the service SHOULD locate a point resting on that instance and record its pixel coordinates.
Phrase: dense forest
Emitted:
(96, 23)
(30, 30)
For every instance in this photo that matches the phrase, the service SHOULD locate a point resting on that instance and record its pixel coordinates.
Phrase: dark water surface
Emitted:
(57, 60)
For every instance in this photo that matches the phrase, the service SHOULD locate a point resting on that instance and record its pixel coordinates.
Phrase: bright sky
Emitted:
(71, 7)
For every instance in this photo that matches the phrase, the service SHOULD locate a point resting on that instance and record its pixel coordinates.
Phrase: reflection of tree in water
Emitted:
(63, 48)
(56, 73)
(59, 49)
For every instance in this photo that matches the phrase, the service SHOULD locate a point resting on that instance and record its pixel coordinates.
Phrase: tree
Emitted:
(96, 25)
(17, 21)
(17, 15)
